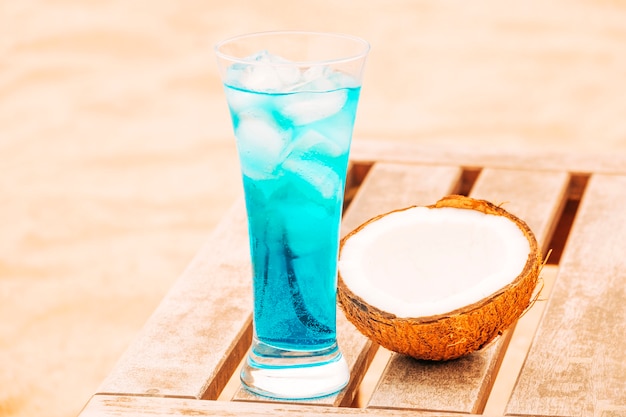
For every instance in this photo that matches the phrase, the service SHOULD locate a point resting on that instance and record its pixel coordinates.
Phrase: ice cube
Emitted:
(343, 80)
(264, 72)
(312, 141)
(338, 130)
(316, 78)
(323, 78)
(240, 100)
(308, 107)
(314, 177)
(261, 144)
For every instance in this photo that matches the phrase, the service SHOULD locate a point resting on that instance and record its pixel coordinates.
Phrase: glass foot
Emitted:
(285, 374)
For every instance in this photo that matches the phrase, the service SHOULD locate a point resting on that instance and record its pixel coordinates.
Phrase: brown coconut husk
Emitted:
(458, 332)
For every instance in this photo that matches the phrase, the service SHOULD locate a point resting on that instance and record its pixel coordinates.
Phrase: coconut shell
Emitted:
(459, 332)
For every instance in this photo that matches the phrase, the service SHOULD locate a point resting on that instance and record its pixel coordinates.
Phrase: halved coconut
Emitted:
(440, 281)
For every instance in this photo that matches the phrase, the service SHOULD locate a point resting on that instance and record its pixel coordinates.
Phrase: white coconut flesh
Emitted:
(422, 261)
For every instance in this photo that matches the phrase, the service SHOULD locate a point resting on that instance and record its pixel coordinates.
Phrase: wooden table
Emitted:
(185, 360)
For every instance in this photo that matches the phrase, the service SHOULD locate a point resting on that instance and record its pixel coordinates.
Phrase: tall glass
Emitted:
(293, 99)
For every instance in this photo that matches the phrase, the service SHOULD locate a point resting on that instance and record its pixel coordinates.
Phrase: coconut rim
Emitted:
(533, 260)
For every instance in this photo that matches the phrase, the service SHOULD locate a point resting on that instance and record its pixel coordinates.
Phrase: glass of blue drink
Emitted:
(293, 98)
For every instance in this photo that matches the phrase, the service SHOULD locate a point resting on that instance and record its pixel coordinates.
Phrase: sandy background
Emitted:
(117, 157)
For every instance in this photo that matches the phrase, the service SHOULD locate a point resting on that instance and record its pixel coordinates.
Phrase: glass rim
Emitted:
(365, 47)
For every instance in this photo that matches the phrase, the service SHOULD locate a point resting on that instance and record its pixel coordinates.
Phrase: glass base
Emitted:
(286, 374)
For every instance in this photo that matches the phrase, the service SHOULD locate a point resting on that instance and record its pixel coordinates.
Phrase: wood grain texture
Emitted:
(199, 333)
(577, 362)
(132, 406)
(391, 186)
(537, 197)
(463, 385)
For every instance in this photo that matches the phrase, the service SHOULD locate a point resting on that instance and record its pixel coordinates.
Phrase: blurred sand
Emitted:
(117, 157)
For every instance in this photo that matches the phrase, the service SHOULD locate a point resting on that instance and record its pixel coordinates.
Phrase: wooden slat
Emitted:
(411, 152)
(393, 186)
(200, 331)
(536, 197)
(463, 385)
(577, 362)
(386, 187)
(133, 406)
(516, 350)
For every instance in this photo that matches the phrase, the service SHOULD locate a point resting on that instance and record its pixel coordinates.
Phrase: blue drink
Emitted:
(294, 179)
(293, 123)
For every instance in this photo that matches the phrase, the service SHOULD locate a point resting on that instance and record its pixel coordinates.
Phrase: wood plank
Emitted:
(139, 406)
(577, 362)
(537, 197)
(463, 385)
(517, 349)
(199, 333)
(393, 186)
(387, 186)
(364, 151)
